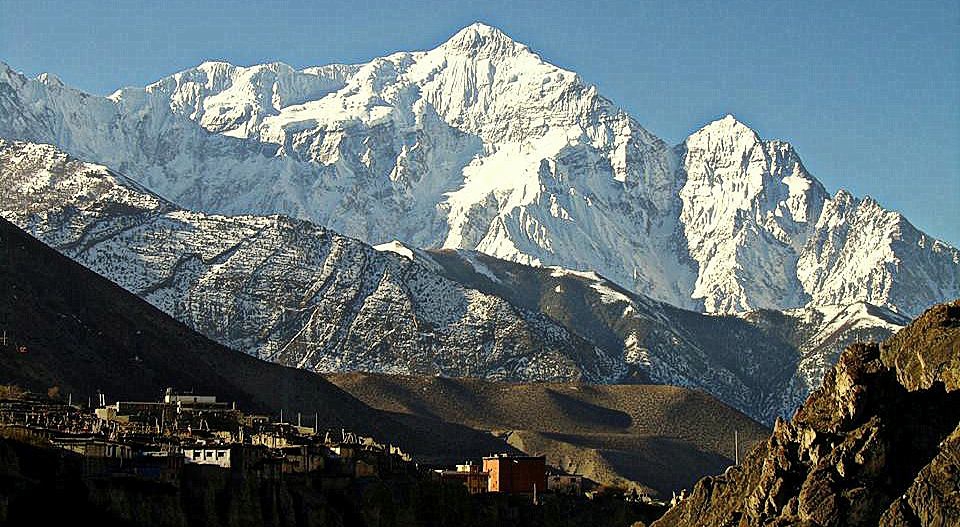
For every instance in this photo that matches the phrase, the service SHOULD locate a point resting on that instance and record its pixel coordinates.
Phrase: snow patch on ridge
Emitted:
(397, 248)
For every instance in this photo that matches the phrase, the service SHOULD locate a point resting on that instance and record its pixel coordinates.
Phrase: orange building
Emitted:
(516, 474)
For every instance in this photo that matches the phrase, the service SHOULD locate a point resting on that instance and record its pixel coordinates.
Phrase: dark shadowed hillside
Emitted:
(878, 443)
(81, 333)
(662, 436)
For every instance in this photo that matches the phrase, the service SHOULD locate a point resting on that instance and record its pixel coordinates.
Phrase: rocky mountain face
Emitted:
(877, 444)
(480, 144)
(763, 362)
(819, 335)
(283, 289)
(295, 293)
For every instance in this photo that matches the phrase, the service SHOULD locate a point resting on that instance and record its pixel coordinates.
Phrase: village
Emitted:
(158, 440)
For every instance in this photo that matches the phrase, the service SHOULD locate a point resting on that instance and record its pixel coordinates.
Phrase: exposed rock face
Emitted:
(877, 443)
(932, 498)
(928, 351)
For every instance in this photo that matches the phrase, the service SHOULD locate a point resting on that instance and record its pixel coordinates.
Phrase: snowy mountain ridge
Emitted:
(480, 144)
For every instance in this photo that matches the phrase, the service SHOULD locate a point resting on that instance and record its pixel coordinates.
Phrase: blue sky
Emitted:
(868, 92)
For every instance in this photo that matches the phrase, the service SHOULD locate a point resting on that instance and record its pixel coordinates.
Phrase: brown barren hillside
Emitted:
(877, 444)
(657, 438)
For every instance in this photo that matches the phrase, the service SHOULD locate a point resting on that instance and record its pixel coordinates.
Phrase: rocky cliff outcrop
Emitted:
(878, 443)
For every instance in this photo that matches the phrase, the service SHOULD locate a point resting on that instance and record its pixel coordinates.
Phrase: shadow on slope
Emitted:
(656, 438)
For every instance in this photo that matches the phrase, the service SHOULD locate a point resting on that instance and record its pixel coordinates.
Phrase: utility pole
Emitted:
(6, 268)
(736, 447)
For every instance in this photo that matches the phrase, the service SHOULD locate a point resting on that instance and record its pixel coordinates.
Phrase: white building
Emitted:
(208, 455)
(171, 398)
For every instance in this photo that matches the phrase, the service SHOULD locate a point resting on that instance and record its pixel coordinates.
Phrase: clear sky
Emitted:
(867, 91)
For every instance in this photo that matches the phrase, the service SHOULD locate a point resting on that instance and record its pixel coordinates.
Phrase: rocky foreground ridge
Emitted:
(877, 444)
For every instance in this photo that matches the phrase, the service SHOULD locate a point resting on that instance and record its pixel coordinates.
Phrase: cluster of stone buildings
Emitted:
(512, 474)
(157, 439)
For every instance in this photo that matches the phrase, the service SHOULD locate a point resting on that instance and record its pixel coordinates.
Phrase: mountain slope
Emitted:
(480, 144)
(84, 334)
(294, 293)
(763, 362)
(877, 444)
(820, 335)
(283, 289)
(658, 435)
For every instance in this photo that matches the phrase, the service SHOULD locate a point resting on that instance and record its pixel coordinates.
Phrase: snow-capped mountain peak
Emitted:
(299, 294)
(726, 134)
(480, 144)
(50, 79)
(480, 40)
(235, 100)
